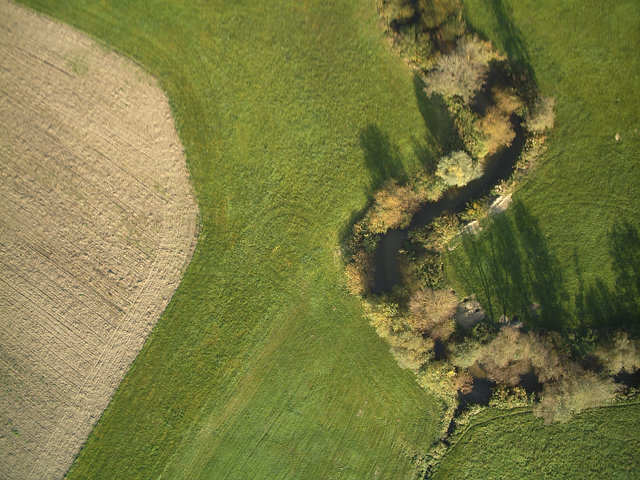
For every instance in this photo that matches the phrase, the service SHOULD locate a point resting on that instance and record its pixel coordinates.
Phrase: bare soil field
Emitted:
(98, 221)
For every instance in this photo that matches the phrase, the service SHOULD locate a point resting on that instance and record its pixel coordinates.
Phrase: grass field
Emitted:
(291, 113)
(520, 446)
(586, 56)
(262, 366)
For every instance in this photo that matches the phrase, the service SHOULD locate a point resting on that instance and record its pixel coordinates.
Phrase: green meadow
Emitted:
(262, 366)
(599, 443)
(574, 239)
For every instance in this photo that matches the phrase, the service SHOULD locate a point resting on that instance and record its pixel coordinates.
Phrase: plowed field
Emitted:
(97, 223)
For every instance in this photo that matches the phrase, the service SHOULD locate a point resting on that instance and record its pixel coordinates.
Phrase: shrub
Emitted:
(621, 353)
(572, 394)
(505, 100)
(384, 316)
(470, 132)
(533, 148)
(431, 312)
(541, 116)
(437, 235)
(458, 169)
(463, 381)
(361, 238)
(435, 13)
(463, 72)
(428, 267)
(465, 353)
(475, 210)
(394, 207)
(443, 19)
(411, 351)
(442, 379)
(509, 397)
(360, 273)
(497, 129)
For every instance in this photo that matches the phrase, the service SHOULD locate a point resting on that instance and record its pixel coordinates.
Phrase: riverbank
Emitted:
(497, 167)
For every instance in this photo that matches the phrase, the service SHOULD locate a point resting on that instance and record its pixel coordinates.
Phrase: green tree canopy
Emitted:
(458, 169)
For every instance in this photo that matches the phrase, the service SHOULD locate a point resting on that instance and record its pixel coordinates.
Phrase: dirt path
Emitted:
(97, 223)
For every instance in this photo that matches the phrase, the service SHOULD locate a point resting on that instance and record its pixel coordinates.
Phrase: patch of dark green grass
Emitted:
(599, 443)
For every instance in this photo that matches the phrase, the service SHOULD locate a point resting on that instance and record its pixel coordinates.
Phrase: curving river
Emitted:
(497, 167)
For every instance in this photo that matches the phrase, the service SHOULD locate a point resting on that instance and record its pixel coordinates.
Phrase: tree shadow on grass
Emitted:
(437, 118)
(509, 35)
(384, 162)
(381, 158)
(600, 305)
(624, 248)
(512, 270)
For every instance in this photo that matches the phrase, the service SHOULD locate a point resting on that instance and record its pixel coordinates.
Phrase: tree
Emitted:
(420, 28)
(623, 353)
(541, 117)
(393, 208)
(431, 312)
(463, 72)
(497, 129)
(458, 169)
(496, 123)
(568, 388)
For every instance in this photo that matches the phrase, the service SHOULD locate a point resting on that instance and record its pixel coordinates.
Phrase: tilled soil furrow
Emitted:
(24, 342)
(120, 340)
(121, 145)
(77, 171)
(26, 309)
(58, 278)
(40, 384)
(72, 224)
(118, 246)
(83, 273)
